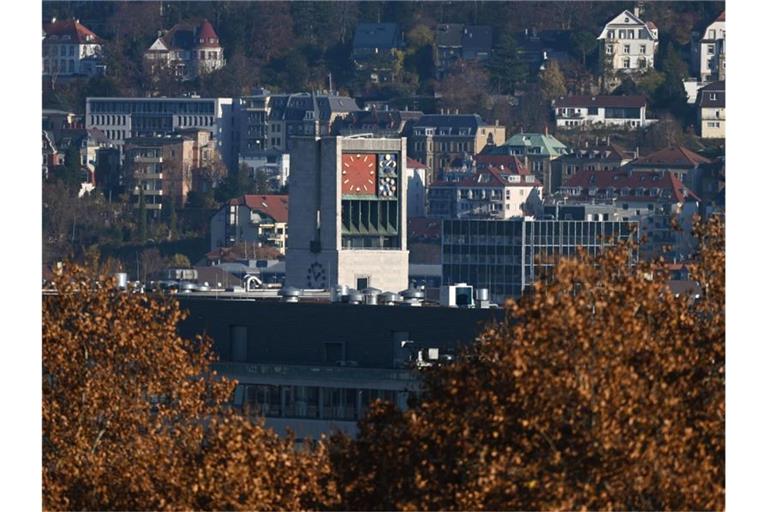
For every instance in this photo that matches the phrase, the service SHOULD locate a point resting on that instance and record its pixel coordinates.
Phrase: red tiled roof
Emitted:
(423, 227)
(651, 25)
(72, 28)
(633, 180)
(721, 17)
(675, 156)
(414, 164)
(206, 34)
(506, 163)
(603, 101)
(489, 177)
(275, 206)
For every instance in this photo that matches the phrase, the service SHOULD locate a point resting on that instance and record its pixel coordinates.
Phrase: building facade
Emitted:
(167, 166)
(657, 200)
(454, 41)
(620, 111)
(708, 51)
(439, 140)
(490, 193)
(351, 226)
(710, 109)
(373, 50)
(597, 155)
(508, 256)
(71, 49)
(186, 51)
(627, 47)
(537, 151)
(266, 121)
(258, 219)
(123, 118)
(296, 367)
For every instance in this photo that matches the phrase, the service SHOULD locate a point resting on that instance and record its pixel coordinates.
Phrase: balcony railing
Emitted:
(148, 159)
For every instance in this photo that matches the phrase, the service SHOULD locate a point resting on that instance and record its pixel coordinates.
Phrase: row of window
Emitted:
(626, 34)
(63, 50)
(311, 402)
(59, 66)
(152, 107)
(609, 49)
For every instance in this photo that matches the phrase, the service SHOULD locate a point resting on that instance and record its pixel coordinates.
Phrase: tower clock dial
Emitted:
(358, 174)
(316, 278)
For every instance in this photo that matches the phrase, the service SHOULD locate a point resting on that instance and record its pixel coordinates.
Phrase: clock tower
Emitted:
(347, 218)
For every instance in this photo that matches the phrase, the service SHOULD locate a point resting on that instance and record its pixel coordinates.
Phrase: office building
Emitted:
(507, 256)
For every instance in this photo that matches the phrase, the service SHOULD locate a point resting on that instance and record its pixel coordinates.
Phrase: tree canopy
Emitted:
(134, 418)
(603, 390)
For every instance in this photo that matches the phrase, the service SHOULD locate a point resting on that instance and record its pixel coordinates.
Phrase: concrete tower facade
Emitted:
(347, 219)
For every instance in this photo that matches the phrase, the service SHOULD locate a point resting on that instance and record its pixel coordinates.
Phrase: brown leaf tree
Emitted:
(602, 390)
(135, 419)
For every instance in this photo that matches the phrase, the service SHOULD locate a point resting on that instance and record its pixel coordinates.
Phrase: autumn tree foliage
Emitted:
(135, 419)
(601, 391)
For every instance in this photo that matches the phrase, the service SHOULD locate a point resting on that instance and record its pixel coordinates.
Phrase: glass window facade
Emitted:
(507, 256)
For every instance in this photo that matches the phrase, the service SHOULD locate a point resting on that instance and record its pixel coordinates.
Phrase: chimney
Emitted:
(497, 122)
(546, 130)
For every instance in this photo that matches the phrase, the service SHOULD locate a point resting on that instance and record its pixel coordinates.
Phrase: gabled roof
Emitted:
(631, 20)
(620, 179)
(449, 34)
(509, 163)
(601, 101)
(275, 206)
(73, 28)
(610, 151)
(424, 227)
(721, 17)
(672, 156)
(187, 36)
(377, 35)
(491, 177)
(477, 37)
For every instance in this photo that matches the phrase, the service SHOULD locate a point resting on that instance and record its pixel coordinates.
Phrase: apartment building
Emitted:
(440, 140)
(491, 193)
(258, 219)
(168, 166)
(710, 110)
(536, 150)
(708, 51)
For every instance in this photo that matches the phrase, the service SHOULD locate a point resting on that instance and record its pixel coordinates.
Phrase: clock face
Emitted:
(316, 276)
(358, 174)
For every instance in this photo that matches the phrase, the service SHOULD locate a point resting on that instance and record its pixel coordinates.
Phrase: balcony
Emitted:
(147, 159)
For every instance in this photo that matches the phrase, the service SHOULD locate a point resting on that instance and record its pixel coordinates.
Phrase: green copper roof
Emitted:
(548, 144)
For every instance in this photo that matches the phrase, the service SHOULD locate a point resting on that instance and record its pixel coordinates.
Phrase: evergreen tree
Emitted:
(507, 68)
